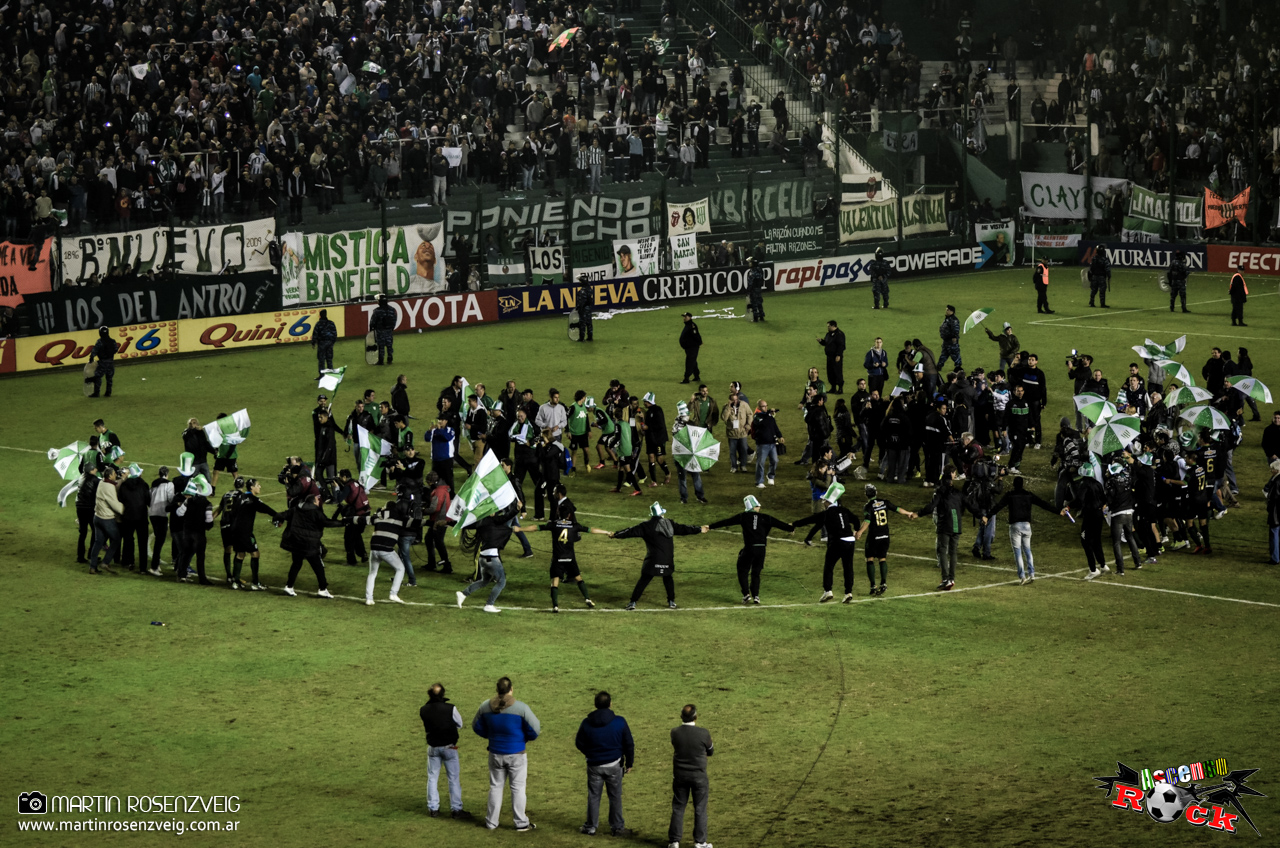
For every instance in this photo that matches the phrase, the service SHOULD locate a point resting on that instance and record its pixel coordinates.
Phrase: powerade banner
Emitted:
(921, 213)
(428, 313)
(1226, 258)
(35, 353)
(17, 278)
(997, 240)
(226, 248)
(772, 200)
(584, 218)
(1149, 206)
(691, 217)
(1064, 195)
(915, 262)
(336, 267)
(74, 308)
(1155, 256)
(526, 302)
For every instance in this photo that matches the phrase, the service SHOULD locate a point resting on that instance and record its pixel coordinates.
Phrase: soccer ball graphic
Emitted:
(1165, 802)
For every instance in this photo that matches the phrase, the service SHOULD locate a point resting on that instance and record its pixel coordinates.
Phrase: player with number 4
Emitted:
(565, 532)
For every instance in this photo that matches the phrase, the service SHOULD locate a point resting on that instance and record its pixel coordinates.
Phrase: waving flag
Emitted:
(331, 379)
(373, 68)
(486, 491)
(228, 429)
(904, 384)
(371, 450)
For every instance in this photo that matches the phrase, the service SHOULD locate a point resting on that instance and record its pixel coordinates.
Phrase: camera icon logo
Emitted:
(33, 804)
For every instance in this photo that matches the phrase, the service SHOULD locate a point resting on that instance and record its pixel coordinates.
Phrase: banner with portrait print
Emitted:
(692, 217)
(636, 257)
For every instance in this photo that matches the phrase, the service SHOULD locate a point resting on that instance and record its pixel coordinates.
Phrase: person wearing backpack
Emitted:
(1068, 454)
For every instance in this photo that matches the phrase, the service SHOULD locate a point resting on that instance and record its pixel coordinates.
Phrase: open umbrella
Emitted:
(1254, 388)
(1114, 434)
(975, 318)
(694, 448)
(1205, 416)
(1184, 395)
(1151, 350)
(66, 461)
(1176, 371)
(1094, 407)
(563, 39)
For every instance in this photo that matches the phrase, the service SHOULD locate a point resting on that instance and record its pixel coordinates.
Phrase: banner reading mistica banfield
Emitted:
(336, 267)
(221, 249)
(644, 291)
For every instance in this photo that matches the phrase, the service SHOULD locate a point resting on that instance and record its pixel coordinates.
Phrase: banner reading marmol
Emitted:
(1063, 195)
(584, 218)
(225, 248)
(1149, 206)
(75, 308)
(336, 267)
(771, 200)
(526, 302)
(921, 213)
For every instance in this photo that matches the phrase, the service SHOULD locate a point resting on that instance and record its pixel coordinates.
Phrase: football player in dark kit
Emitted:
(104, 350)
(833, 343)
(659, 534)
(876, 515)
(755, 536)
(841, 527)
(565, 533)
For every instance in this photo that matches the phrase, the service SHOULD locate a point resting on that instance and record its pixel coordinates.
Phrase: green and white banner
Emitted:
(1065, 195)
(487, 490)
(337, 267)
(331, 379)
(684, 252)
(506, 272)
(547, 265)
(692, 217)
(921, 213)
(636, 257)
(1149, 206)
(224, 248)
(1141, 230)
(997, 240)
(229, 429)
(371, 450)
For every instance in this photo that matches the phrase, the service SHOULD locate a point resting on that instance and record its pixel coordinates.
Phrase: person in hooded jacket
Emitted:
(658, 533)
(604, 738)
(302, 538)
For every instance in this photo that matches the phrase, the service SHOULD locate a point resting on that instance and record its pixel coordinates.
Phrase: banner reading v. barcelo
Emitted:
(658, 288)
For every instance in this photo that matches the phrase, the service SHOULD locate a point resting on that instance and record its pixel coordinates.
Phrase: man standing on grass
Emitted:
(755, 537)
(876, 523)
(491, 535)
(833, 344)
(509, 725)
(383, 324)
(1009, 345)
(659, 535)
(764, 429)
(841, 529)
(605, 740)
(877, 364)
(441, 720)
(691, 745)
(104, 350)
(579, 426)
(948, 506)
(690, 342)
(949, 332)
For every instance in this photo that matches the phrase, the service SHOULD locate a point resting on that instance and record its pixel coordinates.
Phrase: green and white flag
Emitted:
(373, 68)
(371, 450)
(198, 485)
(114, 454)
(67, 491)
(487, 490)
(467, 392)
(229, 429)
(331, 379)
(904, 384)
(66, 461)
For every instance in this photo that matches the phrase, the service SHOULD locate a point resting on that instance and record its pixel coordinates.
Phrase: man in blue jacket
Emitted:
(508, 724)
(605, 740)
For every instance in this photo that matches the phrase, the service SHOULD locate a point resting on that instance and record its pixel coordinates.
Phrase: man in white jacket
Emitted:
(107, 510)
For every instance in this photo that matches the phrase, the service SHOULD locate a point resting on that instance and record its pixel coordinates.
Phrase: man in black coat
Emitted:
(1239, 292)
(441, 720)
(302, 539)
(833, 344)
(690, 341)
(755, 537)
(104, 350)
(658, 533)
(383, 322)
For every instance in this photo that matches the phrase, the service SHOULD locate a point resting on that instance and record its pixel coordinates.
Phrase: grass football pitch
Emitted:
(976, 717)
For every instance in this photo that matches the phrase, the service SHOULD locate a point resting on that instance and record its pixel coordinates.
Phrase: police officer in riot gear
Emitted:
(879, 271)
(755, 289)
(1178, 280)
(104, 350)
(1099, 277)
(582, 303)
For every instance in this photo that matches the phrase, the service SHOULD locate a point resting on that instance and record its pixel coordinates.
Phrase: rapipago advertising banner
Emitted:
(18, 278)
(636, 257)
(74, 308)
(1149, 206)
(529, 301)
(691, 217)
(337, 267)
(1065, 195)
(434, 312)
(997, 240)
(35, 353)
(218, 249)
(852, 268)
(288, 326)
(921, 213)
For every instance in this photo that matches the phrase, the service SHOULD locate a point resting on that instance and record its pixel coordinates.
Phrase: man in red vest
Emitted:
(1041, 279)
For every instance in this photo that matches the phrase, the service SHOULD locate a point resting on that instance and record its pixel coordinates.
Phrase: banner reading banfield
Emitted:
(336, 267)
(921, 213)
(1063, 195)
(226, 248)
(526, 302)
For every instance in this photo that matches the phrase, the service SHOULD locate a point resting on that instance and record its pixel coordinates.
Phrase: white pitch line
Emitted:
(1176, 592)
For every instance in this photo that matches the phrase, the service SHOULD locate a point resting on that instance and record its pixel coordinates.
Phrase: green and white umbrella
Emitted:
(975, 318)
(1205, 416)
(66, 461)
(1094, 407)
(1185, 395)
(1176, 371)
(1254, 388)
(695, 449)
(1152, 350)
(1114, 434)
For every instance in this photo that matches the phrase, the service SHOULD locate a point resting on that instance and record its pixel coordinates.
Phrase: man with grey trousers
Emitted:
(509, 725)
(605, 740)
(692, 745)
